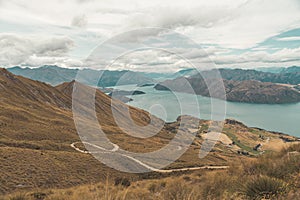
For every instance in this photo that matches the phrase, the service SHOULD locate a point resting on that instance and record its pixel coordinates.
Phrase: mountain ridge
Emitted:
(55, 75)
(247, 86)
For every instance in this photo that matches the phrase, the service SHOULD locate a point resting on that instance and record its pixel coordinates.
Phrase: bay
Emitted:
(168, 106)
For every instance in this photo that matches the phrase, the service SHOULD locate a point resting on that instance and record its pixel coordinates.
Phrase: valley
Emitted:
(39, 138)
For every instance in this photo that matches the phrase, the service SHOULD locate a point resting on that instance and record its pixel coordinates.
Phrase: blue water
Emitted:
(167, 105)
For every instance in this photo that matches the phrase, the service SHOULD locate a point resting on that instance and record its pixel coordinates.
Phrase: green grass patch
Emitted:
(239, 143)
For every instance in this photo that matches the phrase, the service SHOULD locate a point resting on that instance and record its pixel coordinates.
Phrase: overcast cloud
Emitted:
(232, 32)
(16, 49)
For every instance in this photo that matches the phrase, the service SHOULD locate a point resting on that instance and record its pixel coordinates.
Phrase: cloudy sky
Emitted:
(228, 33)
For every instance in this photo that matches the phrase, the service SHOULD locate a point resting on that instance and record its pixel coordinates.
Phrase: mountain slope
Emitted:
(37, 130)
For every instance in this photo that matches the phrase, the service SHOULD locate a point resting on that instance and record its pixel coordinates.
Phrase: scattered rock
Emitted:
(257, 147)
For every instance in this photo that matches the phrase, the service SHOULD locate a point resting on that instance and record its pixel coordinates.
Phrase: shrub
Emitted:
(264, 187)
(122, 181)
(152, 188)
(39, 195)
(283, 167)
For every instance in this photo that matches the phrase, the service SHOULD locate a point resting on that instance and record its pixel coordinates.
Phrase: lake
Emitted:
(283, 118)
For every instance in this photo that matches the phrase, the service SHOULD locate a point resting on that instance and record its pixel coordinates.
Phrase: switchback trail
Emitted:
(116, 148)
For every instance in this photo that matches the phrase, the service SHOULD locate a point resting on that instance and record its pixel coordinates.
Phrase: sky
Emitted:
(154, 35)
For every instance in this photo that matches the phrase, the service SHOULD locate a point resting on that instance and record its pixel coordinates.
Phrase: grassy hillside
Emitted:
(37, 129)
(272, 176)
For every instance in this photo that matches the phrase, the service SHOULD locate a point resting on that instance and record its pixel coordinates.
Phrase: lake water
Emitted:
(283, 118)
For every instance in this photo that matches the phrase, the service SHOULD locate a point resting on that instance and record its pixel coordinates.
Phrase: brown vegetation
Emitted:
(246, 180)
(37, 128)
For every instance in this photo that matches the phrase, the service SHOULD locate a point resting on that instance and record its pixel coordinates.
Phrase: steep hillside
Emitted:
(40, 147)
(36, 130)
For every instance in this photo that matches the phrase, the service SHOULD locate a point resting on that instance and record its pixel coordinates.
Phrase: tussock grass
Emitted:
(264, 187)
(36, 129)
(252, 179)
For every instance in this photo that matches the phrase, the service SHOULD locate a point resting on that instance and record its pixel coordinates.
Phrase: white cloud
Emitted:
(16, 49)
(175, 17)
(253, 23)
(296, 38)
(230, 23)
(282, 56)
(37, 61)
(226, 24)
(163, 59)
(239, 25)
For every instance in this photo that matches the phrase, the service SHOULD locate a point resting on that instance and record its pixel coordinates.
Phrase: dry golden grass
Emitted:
(245, 180)
(37, 128)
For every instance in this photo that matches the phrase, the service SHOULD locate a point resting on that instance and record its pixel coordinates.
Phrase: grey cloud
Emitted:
(79, 21)
(138, 36)
(54, 46)
(16, 50)
(174, 17)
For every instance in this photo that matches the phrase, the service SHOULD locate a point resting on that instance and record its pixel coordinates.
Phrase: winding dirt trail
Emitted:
(116, 148)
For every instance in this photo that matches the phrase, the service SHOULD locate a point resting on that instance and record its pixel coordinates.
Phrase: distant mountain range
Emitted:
(55, 75)
(241, 85)
(286, 76)
(163, 76)
(249, 91)
(279, 69)
(248, 86)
